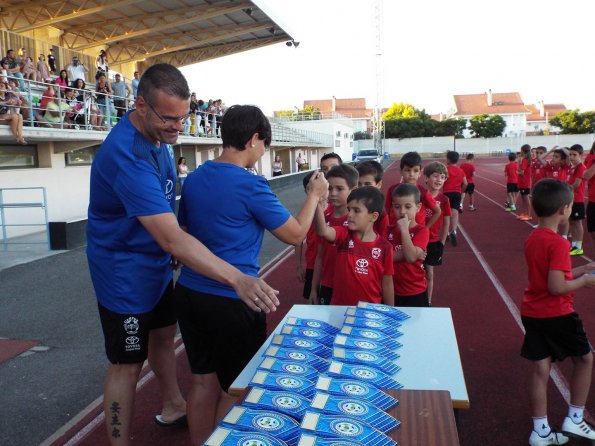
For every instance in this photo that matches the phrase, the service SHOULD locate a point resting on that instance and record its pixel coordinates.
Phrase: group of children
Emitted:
(364, 247)
(560, 163)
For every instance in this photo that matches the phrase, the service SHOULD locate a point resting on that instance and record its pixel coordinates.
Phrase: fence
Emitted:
(15, 199)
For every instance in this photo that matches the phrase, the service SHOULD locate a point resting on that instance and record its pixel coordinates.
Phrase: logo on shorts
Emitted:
(376, 253)
(131, 325)
(132, 343)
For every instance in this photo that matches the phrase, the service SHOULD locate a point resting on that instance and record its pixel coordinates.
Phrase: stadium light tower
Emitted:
(378, 123)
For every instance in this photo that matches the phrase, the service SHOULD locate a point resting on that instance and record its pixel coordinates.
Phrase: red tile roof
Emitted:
(477, 104)
(550, 110)
(353, 107)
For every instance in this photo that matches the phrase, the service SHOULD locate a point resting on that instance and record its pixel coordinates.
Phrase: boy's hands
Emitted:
(318, 185)
(403, 223)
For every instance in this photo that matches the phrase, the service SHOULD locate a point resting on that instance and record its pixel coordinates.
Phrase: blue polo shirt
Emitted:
(227, 209)
(130, 177)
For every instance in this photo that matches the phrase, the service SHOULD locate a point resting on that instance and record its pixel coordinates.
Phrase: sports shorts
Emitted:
(578, 211)
(470, 188)
(554, 337)
(325, 294)
(221, 334)
(512, 187)
(434, 253)
(127, 335)
(524, 190)
(455, 200)
(308, 283)
(417, 300)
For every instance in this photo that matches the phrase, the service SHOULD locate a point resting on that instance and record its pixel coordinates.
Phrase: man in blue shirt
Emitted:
(132, 236)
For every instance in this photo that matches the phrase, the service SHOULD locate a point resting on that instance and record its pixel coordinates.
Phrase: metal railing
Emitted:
(22, 205)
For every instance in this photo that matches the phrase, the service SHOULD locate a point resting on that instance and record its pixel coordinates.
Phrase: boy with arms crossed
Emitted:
(453, 187)
(364, 261)
(370, 174)
(553, 330)
(436, 175)
(410, 241)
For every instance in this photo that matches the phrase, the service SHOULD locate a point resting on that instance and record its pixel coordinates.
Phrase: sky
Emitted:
(431, 50)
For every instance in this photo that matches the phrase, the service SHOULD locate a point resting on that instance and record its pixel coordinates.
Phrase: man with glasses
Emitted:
(133, 236)
(76, 70)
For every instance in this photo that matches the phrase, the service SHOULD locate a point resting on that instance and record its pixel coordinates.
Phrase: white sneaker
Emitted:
(553, 438)
(580, 430)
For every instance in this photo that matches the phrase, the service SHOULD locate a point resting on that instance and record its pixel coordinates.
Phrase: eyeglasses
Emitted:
(167, 119)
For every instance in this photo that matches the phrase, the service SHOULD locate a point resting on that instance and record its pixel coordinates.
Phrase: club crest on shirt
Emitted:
(376, 252)
(391, 236)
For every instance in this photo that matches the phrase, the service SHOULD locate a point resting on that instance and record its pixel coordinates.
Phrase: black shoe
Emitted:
(453, 239)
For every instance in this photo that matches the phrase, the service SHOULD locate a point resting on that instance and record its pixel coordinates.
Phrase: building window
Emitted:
(81, 157)
(337, 143)
(18, 157)
(338, 133)
(350, 143)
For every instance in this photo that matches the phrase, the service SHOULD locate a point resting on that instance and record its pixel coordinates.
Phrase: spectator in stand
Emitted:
(101, 64)
(4, 71)
(9, 115)
(76, 70)
(103, 90)
(20, 100)
(277, 166)
(62, 81)
(190, 125)
(55, 113)
(14, 68)
(46, 97)
(28, 69)
(82, 99)
(134, 83)
(52, 62)
(43, 72)
(70, 100)
(121, 92)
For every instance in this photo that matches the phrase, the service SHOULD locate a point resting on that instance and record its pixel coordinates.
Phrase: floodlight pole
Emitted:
(377, 123)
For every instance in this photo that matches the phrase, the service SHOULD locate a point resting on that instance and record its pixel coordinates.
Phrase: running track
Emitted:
(482, 281)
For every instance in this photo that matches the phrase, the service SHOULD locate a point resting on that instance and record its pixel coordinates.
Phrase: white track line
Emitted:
(490, 180)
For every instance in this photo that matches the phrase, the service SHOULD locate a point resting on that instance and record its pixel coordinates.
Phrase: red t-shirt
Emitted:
(469, 169)
(546, 251)
(426, 200)
(454, 181)
(589, 160)
(444, 203)
(329, 251)
(409, 278)
(312, 241)
(559, 172)
(381, 225)
(360, 268)
(537, 171)
(575, 172)
(524, 174)
(510, 171)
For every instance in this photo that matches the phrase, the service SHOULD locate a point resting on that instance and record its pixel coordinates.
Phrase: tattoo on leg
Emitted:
(115, 410)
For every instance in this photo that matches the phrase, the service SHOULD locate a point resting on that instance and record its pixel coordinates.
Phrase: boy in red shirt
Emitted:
(553, 330)
(435, 176)
(590, 177)
(557, 167)
(469, 168)
(537, 168)
(576, 173)
(364, 261)
(524, 175)
(453, 187)
(370, 174)
(410, 241)
(342, 179)
(512, 182)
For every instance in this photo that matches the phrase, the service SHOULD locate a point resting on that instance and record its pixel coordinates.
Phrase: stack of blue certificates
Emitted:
(288, 367)
(365, 373)
(285, 382)
(356, 388)
(299, 343)
(311, 440)
(289, 354)
(223, 436)
(271, 423)
(364, 344)
(289, 403)
(389, 329)
(392, 312)
(312, 323)
(308, 333)
(373, 335)
(368, 358)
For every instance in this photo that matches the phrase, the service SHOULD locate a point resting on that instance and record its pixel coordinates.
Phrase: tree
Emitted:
(486, 126)
(450, 127)
(574, 122)
(308, 113)
(401, 110)
(361, 135)
(404, 128)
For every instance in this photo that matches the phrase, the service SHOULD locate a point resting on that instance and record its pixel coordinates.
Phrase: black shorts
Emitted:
(455, 200)
(434, 253)
(512, 188)
(127, 335)
(591, 216)
(308, 283)
(221, 334)
(417, 300)
(554, 337)
(470, 188)
(325, 294)
(578, 211)
(524, 190)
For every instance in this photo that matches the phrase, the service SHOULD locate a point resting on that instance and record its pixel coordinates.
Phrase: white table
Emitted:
(429, 357)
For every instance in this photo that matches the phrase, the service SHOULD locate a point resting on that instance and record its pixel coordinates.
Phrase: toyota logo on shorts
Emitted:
(362, 263)
(132, 340)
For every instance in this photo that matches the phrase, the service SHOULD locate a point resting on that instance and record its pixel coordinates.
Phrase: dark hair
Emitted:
(526, 149)
(592, 151)
(512, 156)
(434, 167)
(370, 196)
(180, 159)
(306, 179)
(200, 102)
(163, 77)
(562, 153)
(542, 148)
(345, 171)
(411, 159)
(327, 156)
(549, 195)
(577, 148)
(240, 122)
(74, 83)
(469, 156)
(68, 90)
(407, 190)
(371, 167)
(452, 156)
(65, 77)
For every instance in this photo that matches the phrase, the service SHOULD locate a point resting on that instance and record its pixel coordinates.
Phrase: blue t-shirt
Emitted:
(130, 177)
(227, 209)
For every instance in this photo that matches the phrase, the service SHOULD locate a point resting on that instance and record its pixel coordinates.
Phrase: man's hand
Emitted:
(318, 184)
(256, 293)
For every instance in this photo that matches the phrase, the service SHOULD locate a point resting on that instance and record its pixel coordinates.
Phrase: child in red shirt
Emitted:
(537, 168)
(469, 168)
(557, 167)
(364, 260)
(553, 330)
(370, 174)
(410, 241)
(512, 182)
(435, 176)
(453, 187)
(590, 177)
(524, 175)
(576, 173)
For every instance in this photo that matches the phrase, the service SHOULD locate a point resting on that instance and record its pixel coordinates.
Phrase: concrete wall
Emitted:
(341, 130)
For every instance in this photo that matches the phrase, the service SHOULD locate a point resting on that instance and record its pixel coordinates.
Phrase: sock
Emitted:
(565, 237)
(541, 426)
(575, 413)
(578, 244)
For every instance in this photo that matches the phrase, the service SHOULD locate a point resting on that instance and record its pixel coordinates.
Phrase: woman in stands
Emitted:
(43, 71)
(103, 91)
(277, 166)
(29, 71)
(9, 115)
(62, 80)
(101, 64)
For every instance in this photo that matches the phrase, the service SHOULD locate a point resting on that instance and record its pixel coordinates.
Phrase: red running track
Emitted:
(481, 280)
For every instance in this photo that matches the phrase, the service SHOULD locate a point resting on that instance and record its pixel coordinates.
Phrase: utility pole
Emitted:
(378, 123)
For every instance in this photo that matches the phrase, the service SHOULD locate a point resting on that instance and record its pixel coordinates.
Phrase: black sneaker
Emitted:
(453, 239)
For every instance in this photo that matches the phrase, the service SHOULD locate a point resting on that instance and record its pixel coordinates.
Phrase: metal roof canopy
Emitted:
(180, 32)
